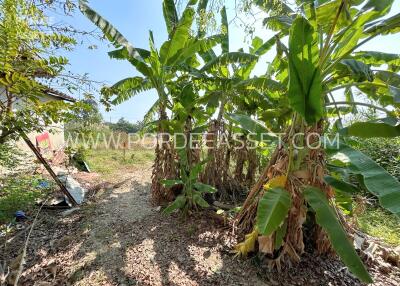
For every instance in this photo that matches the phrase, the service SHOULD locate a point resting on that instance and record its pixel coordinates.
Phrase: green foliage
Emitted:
(9, 155)
(90, 113)
(191, 196)
(305, 82)
(341, 185)
(378, 59)
(24, 50)
(322, 58)
(225, 31)
(170, 15)
(372, 129)
(124, 125)
(261, 133)
(20, 193)
(384, 151)
(228, 58)
(272, 210)
(326, 218)
(86, 117)
(379, 223)
(375, 179)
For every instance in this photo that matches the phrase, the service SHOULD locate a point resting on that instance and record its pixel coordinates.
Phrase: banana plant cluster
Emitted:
(192, 82)
(323, 58)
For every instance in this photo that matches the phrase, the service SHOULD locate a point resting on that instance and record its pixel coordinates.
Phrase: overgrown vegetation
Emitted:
(217, 120)
(9, 156)
(321, 58)
(380, 223)
(27, 67)
(109, 162)
(20, 193)
(123, 125)
(384, 151)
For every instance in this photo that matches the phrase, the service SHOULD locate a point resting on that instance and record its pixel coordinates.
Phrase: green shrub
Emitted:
(9, 155)
(20, 193)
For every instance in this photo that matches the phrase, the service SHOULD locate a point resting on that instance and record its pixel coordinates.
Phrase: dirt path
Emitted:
(120, 239)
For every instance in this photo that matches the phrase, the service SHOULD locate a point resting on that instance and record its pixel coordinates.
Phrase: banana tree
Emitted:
(322, 59)
(159, 69)
(224, 79)
(187, 111)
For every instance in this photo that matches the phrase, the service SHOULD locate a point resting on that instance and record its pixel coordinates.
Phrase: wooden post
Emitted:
(48, 168)
(124, 147)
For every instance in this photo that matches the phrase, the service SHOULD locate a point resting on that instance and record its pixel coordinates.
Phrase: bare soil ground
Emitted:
(119, 238)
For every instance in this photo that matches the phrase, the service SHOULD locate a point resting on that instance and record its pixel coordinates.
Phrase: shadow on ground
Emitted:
(120, 239)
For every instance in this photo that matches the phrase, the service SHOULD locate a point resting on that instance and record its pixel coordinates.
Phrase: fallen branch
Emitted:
(17, 266)
(48, 168)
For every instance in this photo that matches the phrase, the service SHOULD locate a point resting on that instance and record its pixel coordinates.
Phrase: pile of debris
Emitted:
(376, 252)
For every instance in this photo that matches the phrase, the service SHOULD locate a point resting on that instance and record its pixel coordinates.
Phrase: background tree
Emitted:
(159, 69)
(92, 114)
(28, 65)
(123, 125)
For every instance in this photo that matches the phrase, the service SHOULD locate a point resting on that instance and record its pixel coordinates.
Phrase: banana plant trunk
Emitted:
(301, 166)
(164, 166)
(215, 173)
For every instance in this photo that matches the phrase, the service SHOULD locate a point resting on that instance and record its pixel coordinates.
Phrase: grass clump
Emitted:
(377, 222)
(107, 162)
(20, 193)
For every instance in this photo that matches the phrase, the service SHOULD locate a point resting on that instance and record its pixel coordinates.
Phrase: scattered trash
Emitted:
(77, 159)
(44, 184)
(57, 203)
(74, 188)
(47, 167)
(358, 241)
(70, 211)
(80, 164)
(20, 215)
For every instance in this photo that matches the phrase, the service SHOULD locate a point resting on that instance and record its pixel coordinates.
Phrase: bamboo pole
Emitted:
(48, 168)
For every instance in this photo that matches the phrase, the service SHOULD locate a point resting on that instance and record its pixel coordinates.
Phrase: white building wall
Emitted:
(56, 131)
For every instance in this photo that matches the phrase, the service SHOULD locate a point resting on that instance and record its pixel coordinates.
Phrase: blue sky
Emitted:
(134, 18)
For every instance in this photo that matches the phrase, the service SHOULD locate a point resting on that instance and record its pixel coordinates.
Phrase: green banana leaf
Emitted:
(359, 71)
(225, 31)
(170, 15)
(377, 58)
(171, 183)
(204, 188)
(272, 210)
(255, 127)
(228, 58)
(341, 185)
(305, 83)
(115, 37)
(326, 218)
(179, 203)
(371, 130)
(179, 36)
(200, 201)
(128, 87)
(376, 179)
